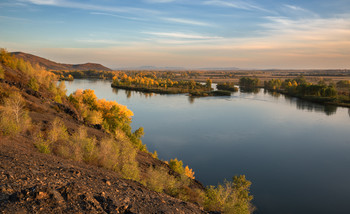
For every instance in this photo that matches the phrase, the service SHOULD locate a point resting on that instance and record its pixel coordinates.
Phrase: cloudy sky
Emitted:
(181, 33)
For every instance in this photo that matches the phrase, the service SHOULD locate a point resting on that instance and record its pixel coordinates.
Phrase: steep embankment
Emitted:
(51, 65)
(34, 182)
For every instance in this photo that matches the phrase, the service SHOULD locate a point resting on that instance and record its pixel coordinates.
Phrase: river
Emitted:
(296, 153)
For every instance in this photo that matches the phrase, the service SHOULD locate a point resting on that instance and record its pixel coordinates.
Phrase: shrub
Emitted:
(2, 72)
(119, 155)
(13, 118)
(128, 164)
(154, 154)
(83, 148)
(33, 84)
(189, 172)
(108, 154)
(177, 166)
(159, 180)
(41, 144)
(94, 117)
(231, 197)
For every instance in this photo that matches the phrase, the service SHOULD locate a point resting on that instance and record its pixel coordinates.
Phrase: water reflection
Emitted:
(272, 93)
(310, 106)
(191, 100)
(115, 90)
(249, 90)
(349, 112)
(128, 93)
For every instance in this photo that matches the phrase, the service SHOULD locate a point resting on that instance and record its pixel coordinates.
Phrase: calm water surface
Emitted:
(296, 153)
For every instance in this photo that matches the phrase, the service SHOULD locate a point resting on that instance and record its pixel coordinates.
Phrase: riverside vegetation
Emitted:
(149, 82)
(117, 150)
(333, 93)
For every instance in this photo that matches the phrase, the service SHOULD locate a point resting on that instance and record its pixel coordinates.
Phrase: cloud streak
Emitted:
(117, 16)
(236, 4)
(82, 6)
(181, 35)
(186, 21)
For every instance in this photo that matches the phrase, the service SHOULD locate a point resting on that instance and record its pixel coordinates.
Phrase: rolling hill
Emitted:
(51, 65)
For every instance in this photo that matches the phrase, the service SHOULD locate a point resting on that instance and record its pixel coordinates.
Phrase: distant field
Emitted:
(224, 76)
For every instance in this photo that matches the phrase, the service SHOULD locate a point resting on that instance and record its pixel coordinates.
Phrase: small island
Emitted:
(152, 84)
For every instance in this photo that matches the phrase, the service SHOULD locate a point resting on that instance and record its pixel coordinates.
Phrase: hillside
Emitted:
(78, 153)
(31, 181)
(51, 65)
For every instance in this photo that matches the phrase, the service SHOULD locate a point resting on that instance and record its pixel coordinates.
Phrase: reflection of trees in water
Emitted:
(128, 93)
(147, 95)
(349, 112)
(249, 90)
(310, 106)
(115, 90)
(272, 93)
(191, 99)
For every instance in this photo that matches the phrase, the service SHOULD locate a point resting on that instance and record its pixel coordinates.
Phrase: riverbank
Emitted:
(316, 99)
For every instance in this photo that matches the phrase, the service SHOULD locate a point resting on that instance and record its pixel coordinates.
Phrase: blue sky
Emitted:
(181, 33)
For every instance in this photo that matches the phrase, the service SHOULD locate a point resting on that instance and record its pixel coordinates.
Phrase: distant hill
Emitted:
(51, 65)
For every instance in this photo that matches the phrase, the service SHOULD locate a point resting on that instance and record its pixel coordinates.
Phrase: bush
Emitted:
(13, 118)
(94, 117)
(41, 144)
(177, 166)
(231, 197)
(33, 84)
(2, 72)
(159, 180)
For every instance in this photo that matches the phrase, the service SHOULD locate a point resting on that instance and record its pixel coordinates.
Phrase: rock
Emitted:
(4, 196)
(41, 195)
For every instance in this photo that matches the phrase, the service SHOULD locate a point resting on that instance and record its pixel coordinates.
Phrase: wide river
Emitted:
(296, 153)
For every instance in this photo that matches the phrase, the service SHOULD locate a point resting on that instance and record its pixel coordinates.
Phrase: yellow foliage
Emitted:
(189, 172)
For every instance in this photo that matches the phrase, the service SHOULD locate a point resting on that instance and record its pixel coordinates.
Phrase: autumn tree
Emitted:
(208, 84)
(2, 72)
(14, 118)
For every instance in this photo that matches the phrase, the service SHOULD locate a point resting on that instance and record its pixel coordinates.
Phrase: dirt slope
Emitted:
(35, 182)
(32, 182)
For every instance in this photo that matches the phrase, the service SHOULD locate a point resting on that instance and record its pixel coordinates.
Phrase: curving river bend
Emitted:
(296, 153)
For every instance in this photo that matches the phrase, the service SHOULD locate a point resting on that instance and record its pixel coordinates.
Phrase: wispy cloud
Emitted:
(99, 41)
(117, 16)
(294, 9)
(13, 18)
(236, 4)
(83, 6)
(186, 21)
(181, 35)
(45, 2)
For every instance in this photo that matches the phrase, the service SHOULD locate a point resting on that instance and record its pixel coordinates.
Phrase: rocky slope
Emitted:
(34, 182)
(31, 182)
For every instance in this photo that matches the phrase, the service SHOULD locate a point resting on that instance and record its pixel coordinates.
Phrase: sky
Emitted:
(260, 34)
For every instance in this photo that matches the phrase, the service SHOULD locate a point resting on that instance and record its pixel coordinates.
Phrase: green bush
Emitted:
(231, 197)
(41, 144)
(33, 84)
(159, 180)
(177, 166)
